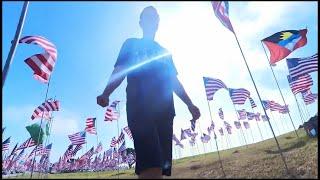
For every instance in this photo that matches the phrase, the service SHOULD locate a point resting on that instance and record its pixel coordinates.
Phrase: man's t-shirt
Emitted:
(150, 73)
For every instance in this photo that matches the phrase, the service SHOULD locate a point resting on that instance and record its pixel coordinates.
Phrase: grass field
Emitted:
(259, 160)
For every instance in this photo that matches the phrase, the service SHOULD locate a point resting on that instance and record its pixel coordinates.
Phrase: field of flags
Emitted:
(110, 155)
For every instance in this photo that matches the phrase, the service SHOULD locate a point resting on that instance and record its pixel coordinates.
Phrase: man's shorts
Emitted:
(152, 138)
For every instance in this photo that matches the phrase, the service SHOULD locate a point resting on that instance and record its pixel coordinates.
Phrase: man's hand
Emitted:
(103, 100)
(194, 110)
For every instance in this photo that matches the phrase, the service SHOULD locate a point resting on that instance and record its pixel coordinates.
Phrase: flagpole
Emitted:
(300, 112)
(118, 137)
(240, 124)
(45, 99)
(216, 141)
(201, 140)
(275, 122)
(15, 42)
(279, 88)
(306, 108)
(251, 133)
(257, 124)
(283, 159)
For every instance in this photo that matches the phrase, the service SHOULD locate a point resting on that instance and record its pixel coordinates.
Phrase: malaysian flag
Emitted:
(193, 124)
(127, 130)
(113, 142)
(112, 113)
(120, 138)
(239, 96)
(212, 86)
(76, 149)
(183, 135)
(308, 97)
(237, 124)
(253, 105)
(300, 84)
(205, 138)
(221, 131)
(301, 66)
(90, 126)
(242, 114)
(41, 64)
(251, 115)
(246, 124)
(221, 113)
(99, 148)
(78, 138)
(5, 144)
(47, 106)
(221, 10)
(28, 143)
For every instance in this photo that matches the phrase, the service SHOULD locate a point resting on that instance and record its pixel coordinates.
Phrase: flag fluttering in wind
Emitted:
(45, 107)
(68, 154)
(78, 138)
(301, 66)
(264, 118)
(221, 10)
(257, 116)
(253, 105)
(6, 144)
(112, 113)
(99, 148)
(120, 138)
(251, 115)
(122, 147)
(221, 131)
(242, 114)
(212, 86)
(90, 126)
(46, 150)
(237, 124)
(205, 138)
(113, 142)
(28, 143)
(41, 64)
(183, 135)
(36, 149)
(282, 43)
(221, 114)
(36, 133)
(266, 104)
(193, 124)
(76, 149)
(300, 84)
(246, 124)
(274, 106)
(239, 96)
(309, 97)
(127, 130)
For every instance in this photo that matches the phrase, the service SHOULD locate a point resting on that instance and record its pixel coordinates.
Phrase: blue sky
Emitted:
(88, 36)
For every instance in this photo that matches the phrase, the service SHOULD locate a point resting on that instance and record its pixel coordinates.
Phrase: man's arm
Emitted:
(115, 80)
(181, 93)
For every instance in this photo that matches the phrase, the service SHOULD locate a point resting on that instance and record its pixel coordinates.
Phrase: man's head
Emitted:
(149, 20)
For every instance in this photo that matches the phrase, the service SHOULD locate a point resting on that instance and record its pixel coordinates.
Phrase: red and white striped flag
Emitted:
(45, 107)
(112, 113)
(41, 64)
(127, 130)
(90, 126)
(113, 142)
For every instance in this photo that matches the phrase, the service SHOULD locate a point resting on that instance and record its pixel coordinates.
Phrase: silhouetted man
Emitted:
(152, 79)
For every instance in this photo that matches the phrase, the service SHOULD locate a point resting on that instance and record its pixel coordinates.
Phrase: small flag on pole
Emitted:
(221, 10)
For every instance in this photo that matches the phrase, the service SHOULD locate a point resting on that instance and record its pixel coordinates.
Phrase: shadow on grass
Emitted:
(293, 146)
(116, 174)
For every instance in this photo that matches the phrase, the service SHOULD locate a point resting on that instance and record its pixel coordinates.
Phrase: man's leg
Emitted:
(151, 173)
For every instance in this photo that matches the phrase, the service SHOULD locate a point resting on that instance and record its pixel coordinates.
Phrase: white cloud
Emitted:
(65, 122)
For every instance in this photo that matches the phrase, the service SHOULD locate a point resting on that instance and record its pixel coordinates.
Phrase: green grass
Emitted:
(259, 160)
